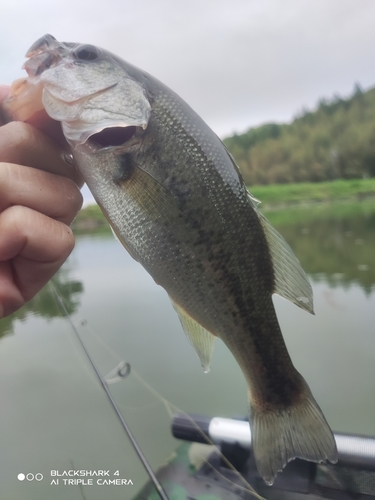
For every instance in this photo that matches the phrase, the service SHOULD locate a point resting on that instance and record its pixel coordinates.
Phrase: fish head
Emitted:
(84, 87)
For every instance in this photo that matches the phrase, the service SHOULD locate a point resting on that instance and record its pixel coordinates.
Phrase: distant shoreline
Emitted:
(273, 197)
(287, 195)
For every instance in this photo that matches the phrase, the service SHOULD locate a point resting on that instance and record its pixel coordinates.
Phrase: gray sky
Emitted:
(238, 63)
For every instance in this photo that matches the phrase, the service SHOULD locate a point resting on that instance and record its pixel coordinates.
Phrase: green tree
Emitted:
(337, 140)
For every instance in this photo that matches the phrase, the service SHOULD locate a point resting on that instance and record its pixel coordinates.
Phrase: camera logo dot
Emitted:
(30, 477)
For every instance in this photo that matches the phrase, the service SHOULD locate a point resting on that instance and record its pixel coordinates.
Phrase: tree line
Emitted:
(336, 141)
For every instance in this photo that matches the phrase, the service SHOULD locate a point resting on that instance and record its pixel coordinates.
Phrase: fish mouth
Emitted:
(48, 53)
(43, 44)
(25, 96)
(45, 53)
(28, 97)
(70, 82)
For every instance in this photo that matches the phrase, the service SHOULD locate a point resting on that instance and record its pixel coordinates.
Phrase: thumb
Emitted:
(4, 91)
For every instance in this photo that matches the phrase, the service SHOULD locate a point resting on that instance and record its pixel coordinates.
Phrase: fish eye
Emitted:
(86, 53)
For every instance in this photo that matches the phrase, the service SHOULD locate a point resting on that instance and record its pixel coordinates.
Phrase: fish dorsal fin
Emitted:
(291, 281)
(201, 339)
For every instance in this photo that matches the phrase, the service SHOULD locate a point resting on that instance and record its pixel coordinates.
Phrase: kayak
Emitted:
(198, 472)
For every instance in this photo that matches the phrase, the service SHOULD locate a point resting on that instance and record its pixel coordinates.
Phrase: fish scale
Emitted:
(176, 200)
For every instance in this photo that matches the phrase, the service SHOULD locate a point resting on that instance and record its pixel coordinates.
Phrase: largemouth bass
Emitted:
(176, 200)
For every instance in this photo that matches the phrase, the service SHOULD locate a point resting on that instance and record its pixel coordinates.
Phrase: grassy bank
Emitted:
(326, 210)
(290, 194)
(273, 197)
(89, 219)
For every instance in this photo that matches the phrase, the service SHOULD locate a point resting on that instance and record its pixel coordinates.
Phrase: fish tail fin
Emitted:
(297, 431)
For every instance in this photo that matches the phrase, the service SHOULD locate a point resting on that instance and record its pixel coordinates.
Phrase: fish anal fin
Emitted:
(291, 281)
(282, 434)
(201, 339)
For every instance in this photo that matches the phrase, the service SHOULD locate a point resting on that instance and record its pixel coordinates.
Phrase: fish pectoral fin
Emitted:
(116, 233)
(150, 194)
(291, 281)
(201, 339)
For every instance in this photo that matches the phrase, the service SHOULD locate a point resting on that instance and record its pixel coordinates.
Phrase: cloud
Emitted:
(237, 63)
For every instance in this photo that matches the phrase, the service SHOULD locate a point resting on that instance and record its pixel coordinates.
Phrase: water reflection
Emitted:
(44, 303)
(57, 407)
(335, 245)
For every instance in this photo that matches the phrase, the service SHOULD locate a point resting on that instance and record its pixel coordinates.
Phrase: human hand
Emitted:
(39, 198)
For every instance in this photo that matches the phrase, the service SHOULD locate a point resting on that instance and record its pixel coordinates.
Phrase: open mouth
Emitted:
(25, 98)
(35, 101)
(81, 87)
(44, 54)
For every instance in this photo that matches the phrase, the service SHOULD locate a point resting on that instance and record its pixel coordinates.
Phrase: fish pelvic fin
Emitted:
(297, 431)
(201, 339)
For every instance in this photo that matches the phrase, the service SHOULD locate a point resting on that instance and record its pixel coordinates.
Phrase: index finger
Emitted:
(38, 119)
(25, 145)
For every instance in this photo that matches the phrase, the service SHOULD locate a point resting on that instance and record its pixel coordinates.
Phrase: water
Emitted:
(55, 416)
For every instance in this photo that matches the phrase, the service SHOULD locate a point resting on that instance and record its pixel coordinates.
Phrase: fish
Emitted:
(176, 200)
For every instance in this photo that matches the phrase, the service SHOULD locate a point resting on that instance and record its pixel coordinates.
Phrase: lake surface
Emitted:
(55, 416)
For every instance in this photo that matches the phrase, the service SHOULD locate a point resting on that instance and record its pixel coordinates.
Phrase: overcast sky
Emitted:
(238, 63)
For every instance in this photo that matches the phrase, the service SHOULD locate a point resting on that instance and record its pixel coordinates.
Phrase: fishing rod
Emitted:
(159, 488)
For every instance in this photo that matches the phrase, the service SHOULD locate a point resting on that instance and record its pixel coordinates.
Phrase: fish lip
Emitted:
(45, 42)
(44, 54)
(40, 62)
(47, 58)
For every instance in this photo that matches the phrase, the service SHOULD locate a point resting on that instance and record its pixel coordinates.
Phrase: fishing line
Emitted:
(169, 406)
(171, 409)
(231, 482)
(160, 490)
(123, 369)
